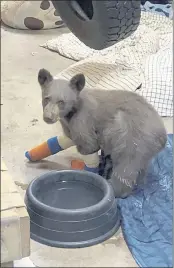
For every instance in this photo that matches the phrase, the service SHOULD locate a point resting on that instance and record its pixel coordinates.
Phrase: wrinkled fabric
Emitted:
(147, 214)
(137, 60)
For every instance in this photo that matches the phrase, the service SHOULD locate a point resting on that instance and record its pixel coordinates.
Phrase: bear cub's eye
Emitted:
(46, 100)
(60, 102)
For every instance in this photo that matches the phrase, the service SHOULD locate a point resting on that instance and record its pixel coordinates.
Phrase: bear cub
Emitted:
(121, 123)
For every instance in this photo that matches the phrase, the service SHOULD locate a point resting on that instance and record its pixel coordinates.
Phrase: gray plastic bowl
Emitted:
(71, 209)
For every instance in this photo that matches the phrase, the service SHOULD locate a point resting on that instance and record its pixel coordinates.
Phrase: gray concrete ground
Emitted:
(22, 128)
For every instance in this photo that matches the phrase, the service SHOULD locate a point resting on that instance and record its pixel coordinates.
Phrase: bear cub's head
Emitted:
(60, 98)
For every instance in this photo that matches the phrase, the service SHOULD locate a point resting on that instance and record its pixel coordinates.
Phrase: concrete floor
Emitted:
(23, 128)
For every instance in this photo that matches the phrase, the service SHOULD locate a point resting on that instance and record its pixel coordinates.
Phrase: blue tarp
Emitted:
(147, 215)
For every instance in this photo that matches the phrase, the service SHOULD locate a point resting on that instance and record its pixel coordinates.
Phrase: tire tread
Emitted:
(129, 12)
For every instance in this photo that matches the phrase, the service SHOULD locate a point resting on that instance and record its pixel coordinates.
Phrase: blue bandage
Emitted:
(53, 145)
(91, 169)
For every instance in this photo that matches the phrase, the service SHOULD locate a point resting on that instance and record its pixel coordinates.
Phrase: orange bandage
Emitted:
(50, 147)
(77, 164)
(39, 152)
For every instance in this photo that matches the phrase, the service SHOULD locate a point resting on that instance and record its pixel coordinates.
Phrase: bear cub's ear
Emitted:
(77, 82)
(44, 77)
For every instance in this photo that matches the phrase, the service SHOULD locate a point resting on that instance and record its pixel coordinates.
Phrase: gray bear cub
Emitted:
(121, 123)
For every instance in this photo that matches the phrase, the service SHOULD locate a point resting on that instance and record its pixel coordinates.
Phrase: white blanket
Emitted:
(143, 58)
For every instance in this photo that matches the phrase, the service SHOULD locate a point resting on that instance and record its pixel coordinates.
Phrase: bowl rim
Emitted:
(104, 202)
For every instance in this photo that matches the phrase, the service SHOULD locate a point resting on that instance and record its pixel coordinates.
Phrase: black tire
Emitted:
(100, 24)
